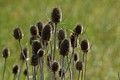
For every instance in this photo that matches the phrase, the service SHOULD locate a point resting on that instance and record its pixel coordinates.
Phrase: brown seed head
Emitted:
(34, 60)
(75, 57)
(40, 27)
(34, 30)
(61, 72)
(56, 15)
(5, 53)
(79, 65)
(52, 25)
(73, 40)
(25, 72)
(17, 33)
(78, 29)
(24, 55)
(61, 34)
(40, 53)
(15, 69)
(55, 66)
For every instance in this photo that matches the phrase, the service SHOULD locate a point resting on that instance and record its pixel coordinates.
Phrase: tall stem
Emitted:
(14, 77)
(79, 75)
(20, 70)
(85, 66)
(4, 69)
(42, 69)
(34, 73)
(62, 76)
(69, 70)
(73, 65)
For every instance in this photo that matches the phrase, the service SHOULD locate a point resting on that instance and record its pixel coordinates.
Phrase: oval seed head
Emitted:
(32, 38)
(36, 46)
(40, 27)
(56, 15)
(34, 30)
(34, 60)
(79, 65)
(85, 45)
(73, 40)
(61, 34)
(78, 29)
(61, 72)
(17, 33)
(40, 53)
(75, 57)
(46, 33)
(25, 72)
(55, 66)
(24, 55)
(5, 53)
(15, 69)
(52, 25)
(65, 47)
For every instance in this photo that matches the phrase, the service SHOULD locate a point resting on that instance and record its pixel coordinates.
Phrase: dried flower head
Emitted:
(40, 27)
(79, 65)
(5, 53)
(73, 40)
(40, 53)
(52, 25)
(85, 45)
(15, 69)
(55, 66)
(65, 47)
(34, 30)
(56, 15)
(61, 72)
(78, 29)
(17, 33)
(34, 60)
(75, 56)
(61, 34)
(25, 72)
(24, 55)
(32, 38)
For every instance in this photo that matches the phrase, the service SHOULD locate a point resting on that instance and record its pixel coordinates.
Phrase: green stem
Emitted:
(85, 66)
(4, 69)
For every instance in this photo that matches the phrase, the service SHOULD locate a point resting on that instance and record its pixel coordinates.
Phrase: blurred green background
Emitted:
(101, 17)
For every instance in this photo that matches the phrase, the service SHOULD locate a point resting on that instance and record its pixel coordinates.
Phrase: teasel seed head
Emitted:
(24, 55)
(75, 57)
(25, 72)
(40, 27)
(55, 66)
(17, 33)
(15, 69)
(34, 30)
(85, 45)
(78, 29)
(5, 53)
(65, 47)
(61, 72)
(52, 25)
(40, 53)
(34, 60)
(36, 46)
(61, 34)
(32, 38)
(56, 15)
(79, 65)
(46, 33)
(73, 40)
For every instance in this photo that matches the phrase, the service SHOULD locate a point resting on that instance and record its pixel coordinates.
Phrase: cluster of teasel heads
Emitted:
(47, 41)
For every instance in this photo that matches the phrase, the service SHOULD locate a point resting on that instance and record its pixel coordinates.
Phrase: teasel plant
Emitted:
(18, 35)
(5, 55)
(15, 71)
(25, 73)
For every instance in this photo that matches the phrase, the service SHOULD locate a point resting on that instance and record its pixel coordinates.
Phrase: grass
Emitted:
(101, 17)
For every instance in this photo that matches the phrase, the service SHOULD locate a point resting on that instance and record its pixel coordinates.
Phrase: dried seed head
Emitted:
(40, 53)
(56, 15)
(78, 29)
(46, 33)
(36, 46)
(15, 69)
(24, 55)
(61, 34)
(34, 60)
(55, 66)
(85, 45)
(17, 33)
(61, 72)
(52, 25)
(73, 40)
(40, 27)
(79, 65)
(32, 38)
(25, 72)
(5, 53)
(75, 57)
(65, 47)
(34, 30)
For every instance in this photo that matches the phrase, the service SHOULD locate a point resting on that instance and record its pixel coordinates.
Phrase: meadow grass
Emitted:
(100, 17)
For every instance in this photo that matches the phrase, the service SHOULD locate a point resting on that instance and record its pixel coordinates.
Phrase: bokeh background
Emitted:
(100, 17)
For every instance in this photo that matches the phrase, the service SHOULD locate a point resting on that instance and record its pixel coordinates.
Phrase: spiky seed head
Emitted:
(52, 25)
(24, 54)
(46, 33)
(25, 72)
(15, 69)
(55, 66)
(32, 38)
(65, 47)
(17, 33)
(33, 30)
(5, 53)
(61, 34)
(34, 60)
(56, 15)
(73, 40)
(36, 46)
(78, 29)
(40, 53)
(85, 45)
(75, 57)
(40, 27)
(61, 72)
(79, 65)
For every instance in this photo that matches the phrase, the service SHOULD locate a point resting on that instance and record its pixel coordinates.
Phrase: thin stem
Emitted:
(73, 66)
(85, 66)
(4, 69)
(118, 76)
(69, 70)
(42, 69)
(79, 75)
(62, 76)
(20, 70)
(34, 73)
(82, 69)
(14, 77)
